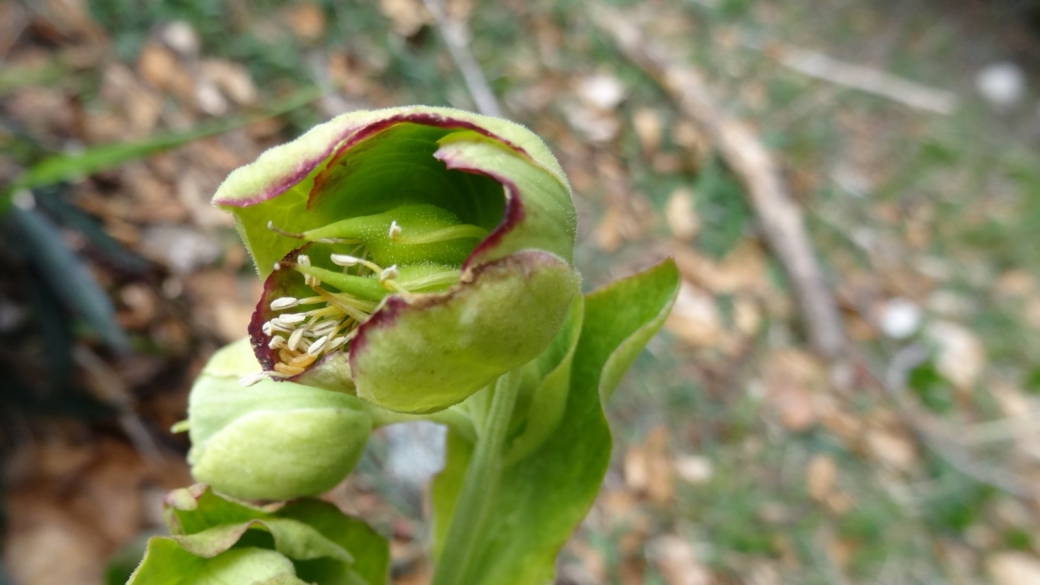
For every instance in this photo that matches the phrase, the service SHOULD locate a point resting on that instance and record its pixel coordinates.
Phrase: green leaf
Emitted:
(371, 551)
(66, 274)
(166, 563)
(66, 167)
(326, 546)
(545, 495)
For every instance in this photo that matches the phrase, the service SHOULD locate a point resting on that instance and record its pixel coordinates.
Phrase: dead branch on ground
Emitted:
(755, 167)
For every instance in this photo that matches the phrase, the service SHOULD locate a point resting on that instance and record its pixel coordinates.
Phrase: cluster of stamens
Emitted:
(300, 338)
(331, 319)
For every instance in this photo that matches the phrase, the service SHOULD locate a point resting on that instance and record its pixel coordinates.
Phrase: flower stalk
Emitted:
(483, 475)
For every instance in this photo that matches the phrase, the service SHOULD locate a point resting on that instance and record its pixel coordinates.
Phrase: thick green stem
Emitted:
(472, 508)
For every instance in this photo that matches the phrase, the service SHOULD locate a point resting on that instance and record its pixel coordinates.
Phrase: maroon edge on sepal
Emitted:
(356, 133)
(303, 168)
(394, 306)
(422, 119)
(261, 314)
(512, 217)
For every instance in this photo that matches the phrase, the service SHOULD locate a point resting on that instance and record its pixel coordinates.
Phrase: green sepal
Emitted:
(437, 350)
(368, 162)
(271, 440)
(528, 529)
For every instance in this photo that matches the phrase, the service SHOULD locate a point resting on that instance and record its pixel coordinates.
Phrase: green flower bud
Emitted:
(410, 256)
(269, 440)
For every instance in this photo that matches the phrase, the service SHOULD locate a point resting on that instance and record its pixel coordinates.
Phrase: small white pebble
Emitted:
(899, 318)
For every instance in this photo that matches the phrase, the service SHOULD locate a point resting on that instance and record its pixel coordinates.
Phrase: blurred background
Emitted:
(749, 448)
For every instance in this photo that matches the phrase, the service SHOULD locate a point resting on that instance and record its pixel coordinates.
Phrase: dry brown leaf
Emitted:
(608, 233)
(647, 123)
(820, 476)
(1015, 284)
(678, 562)
(1032, 313)
(591, 559)
(648, 467)
(742, 270)
(307, 20)
(1014, 568)
(160, 67)
(891, 449)
(695, 318)
(223, 302)
(694, 469)
(232, 79)
(31, 552)
(680, 215)
(795, 383)
(747, 316)
(140, 105)
(406, 16)
(961, 357)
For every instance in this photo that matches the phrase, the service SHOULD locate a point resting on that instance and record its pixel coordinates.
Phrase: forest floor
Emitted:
(906, 134)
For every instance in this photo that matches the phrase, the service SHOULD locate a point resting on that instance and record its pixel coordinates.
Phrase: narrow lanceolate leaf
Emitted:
(528, 528)
(67, 167)
(65, 273)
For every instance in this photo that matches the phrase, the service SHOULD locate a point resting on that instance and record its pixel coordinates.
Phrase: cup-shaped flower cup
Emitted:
(410, 256)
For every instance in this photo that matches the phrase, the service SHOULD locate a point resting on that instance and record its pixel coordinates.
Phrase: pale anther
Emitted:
(295, 338)
(247, 381)
(315, 347)
(395, 230)
(389, 273)
(277, 342)
(336, 342)
(283, 303)
(277, 266)
(290, 318)
(275, 325)
(303, 260)
(344, 260)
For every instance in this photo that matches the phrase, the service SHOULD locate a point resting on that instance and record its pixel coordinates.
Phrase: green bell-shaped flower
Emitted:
(270, 441)
(410, 256)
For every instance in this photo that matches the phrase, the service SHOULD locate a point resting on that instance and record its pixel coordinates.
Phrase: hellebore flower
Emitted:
(410, 255)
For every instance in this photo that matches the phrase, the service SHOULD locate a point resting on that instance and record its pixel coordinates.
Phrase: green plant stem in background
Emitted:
(482, 476)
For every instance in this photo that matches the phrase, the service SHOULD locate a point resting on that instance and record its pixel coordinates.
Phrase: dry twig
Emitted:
(780, 218)
(872, 81)
(456, 37)
(933, 433)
